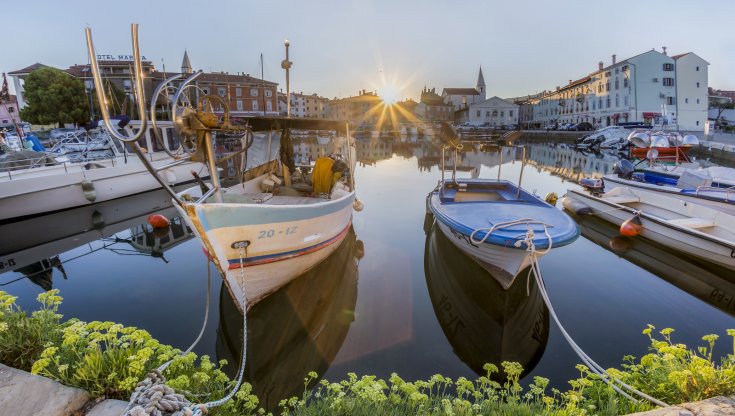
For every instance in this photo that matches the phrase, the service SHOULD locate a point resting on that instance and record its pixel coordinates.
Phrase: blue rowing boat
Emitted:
(495, 221)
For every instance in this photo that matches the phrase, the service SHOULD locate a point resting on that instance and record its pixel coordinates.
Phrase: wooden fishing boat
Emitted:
(261, 233)
(490, 220)
(695, 229)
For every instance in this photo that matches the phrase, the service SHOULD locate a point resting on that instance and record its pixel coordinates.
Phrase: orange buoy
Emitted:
(158, 221)
(631, 227)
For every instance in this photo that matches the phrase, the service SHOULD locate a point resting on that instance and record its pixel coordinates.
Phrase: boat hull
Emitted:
(664, 153)
(281, 241)
(660, 231)
(503, 263)
(48, 189)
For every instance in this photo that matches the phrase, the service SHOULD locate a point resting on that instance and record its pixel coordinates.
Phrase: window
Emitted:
(478, 113)
(668, 67)
(617, 83)
(495, 113)
(502, 113)
(510, 113)
(238, 92)
(239, 105)
(268, 93)
(205, 91)
(617, 101)
(625, 100)
(253, 92)
(669, 100)
(625, 82)
(697, 85)
(686, 101)
(697, 122)
(624, 68)
(594, 105)
(269, 105)
(697, 68)
(607, 86)
(608, 102)
(697, 100)
(127, 84)
(255, 103)
(11, 109)
(599, 105)
(221, 91)
(668, 82)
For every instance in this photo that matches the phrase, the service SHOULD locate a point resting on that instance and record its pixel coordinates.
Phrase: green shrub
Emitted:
(108, 360)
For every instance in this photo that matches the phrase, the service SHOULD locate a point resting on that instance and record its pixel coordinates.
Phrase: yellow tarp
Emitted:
(321, 177)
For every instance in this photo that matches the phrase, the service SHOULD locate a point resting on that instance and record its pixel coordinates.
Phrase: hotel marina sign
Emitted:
(119, 58)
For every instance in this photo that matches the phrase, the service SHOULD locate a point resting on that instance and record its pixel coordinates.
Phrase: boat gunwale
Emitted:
(663, 188)
(686, 230)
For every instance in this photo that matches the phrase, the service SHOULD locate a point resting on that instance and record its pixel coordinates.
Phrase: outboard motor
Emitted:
(623, 168)
(595, 186)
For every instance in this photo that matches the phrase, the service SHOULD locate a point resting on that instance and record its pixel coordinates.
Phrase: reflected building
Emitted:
(298, 329)
(482, 322)
(568, 163)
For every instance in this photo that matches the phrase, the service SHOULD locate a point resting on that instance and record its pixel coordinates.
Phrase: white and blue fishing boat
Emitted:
(493, 220)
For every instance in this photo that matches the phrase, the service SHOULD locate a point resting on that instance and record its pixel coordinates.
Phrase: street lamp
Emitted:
(286, 64)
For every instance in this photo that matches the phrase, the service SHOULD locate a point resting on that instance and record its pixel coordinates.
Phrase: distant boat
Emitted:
(46, 188)
(483, 322)
(694, 229)
(489, 220)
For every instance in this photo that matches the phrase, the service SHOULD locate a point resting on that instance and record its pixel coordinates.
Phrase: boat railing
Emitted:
(47, 160)
(727, 191)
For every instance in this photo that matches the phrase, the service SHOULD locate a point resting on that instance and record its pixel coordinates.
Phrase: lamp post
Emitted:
(286, 64)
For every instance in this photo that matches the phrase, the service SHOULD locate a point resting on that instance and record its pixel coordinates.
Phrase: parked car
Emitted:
(585, 126)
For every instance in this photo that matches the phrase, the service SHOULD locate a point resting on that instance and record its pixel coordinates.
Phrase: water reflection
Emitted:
(707, 281)
(298, 329)
(117, 226)
(483, 322)
(569, 163)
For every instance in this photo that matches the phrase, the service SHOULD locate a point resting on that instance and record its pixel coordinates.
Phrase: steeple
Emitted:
(185, 64)
(481, 85)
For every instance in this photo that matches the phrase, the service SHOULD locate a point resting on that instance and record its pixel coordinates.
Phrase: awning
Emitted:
(647, 114)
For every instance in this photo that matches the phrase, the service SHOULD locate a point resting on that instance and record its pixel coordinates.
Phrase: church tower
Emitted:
(481, 86)
(186, 65)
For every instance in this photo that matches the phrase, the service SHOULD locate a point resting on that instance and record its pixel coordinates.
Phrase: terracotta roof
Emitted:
(460, 91)
(220, 77)
(28, 69)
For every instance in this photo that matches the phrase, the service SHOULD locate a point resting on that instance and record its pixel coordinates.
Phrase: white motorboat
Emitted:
(695, 229)
(610, 137)
(73, 141)
(692, 186)
(53, 187)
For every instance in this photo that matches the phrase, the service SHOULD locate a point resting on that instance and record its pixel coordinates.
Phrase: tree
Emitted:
(54, 96)
(721, 106)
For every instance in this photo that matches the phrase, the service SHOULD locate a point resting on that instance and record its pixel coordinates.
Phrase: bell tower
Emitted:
(481, 86)
(186, 65)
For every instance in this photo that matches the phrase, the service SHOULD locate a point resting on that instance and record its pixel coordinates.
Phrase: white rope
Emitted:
(594, 367)
(201, 409)
(501, 225)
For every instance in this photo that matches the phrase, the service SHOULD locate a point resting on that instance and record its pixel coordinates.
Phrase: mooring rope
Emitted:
(152, 397)
(593, 366)
(501, 225)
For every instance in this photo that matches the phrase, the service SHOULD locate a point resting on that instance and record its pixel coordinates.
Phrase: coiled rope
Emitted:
(593, 366)
(501, 225)
(152, 397)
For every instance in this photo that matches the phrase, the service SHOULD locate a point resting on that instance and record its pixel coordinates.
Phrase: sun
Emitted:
(390, 94)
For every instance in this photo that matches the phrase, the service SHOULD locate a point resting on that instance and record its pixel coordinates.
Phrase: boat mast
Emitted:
(286, 64)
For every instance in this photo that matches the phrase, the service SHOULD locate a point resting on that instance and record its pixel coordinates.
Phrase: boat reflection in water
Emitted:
(298, 329)
(705, 281)
(38, 244)
(483, 322)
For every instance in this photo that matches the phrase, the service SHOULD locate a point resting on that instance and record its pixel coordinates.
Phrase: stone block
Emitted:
(26, 394)
(109, 408)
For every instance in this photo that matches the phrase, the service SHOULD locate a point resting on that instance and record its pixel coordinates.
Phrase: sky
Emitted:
(339, 47)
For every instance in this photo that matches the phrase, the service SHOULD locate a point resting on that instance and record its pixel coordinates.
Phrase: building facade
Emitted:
(364, 108)
(432, 107)
(305, 105)
(493, 112)
(650, 87)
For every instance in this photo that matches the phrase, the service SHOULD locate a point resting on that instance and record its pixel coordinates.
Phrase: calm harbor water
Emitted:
(395, 297)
